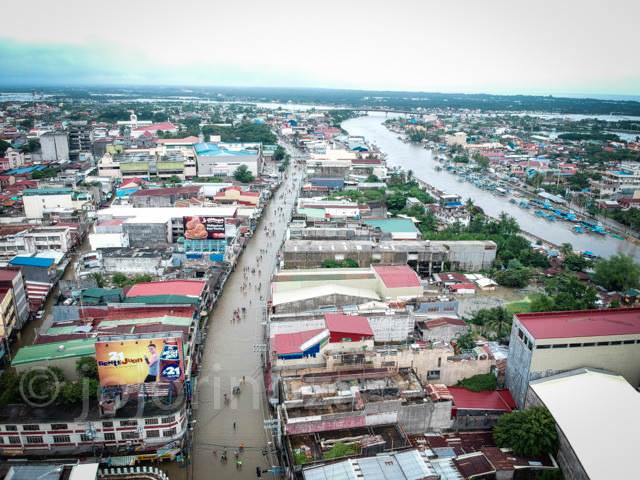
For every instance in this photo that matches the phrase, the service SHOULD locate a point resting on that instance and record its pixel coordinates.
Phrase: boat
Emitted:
(616, 236)
(578, 229)
(599, 229)
(512, 200)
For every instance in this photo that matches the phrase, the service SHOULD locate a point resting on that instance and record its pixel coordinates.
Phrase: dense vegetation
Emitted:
(618, 273)
(494, 323)
(564, 292)
(243, 174)
(531, 432)
(479, 383)
(243, 132)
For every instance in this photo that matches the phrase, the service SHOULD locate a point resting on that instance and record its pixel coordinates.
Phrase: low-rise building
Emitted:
(222, 159)
(38, 201)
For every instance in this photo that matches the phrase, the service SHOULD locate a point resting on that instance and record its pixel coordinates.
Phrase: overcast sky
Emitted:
(494, 46)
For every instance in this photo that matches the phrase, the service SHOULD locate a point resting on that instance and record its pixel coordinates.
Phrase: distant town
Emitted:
(317, 284)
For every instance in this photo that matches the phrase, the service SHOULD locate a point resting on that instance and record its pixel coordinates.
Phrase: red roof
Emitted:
(188, 288)
(339, 322)
(582, 323)
(7, 274)
(464, 399)
(185, 140)
(397, 276)
(285, 343)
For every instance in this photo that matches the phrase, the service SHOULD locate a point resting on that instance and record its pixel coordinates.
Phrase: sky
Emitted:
(472, 46)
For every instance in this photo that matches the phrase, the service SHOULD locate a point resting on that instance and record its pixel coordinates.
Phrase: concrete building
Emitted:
(26, 239)
(147, 231)
(55, 147)
(38, 201)
(79, 139)
(134, 261)
(222, 159)
(458, 138)
(587, 401)
(545, 344)
(163, 197)
(12, 279)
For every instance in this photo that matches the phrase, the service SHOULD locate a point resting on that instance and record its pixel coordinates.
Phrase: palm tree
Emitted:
(566, 249)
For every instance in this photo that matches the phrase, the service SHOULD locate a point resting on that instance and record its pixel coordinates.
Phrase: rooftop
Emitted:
(397, 276)
(188, 288)
(582, 323)
(339, 322)
(55, 350)
(499, 400)
(213, 150)
(157, 192)
(32, 261)
(393, 225)
(288, 343)
(573, 397)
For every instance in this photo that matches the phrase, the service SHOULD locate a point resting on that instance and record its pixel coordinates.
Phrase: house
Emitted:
(441, 329)
(153, 129)
(479, 410)
(237, 196)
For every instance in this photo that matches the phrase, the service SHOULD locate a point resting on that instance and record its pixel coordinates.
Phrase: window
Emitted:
(31, 427)
(561, 345)
(439, 362)
(575, 345)
(433, 374)
(14, 440)
(150, 421)
(170, 433)
(629, 342)
(58, 426)
(61, 439)
(11, 428)
(153, 433)
(616, 342)
(602, 344)
(109, 436)
(168, 419)
(107, 424)
(85, 438)
(31, 439)
(589, 344)
(130, 435)
(128, 423)
(542, 347)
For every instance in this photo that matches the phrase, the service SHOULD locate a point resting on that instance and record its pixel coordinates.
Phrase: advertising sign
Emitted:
(202, 228)
(140, 360)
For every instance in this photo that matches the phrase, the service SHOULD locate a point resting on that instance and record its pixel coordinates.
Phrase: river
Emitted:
(422, 163)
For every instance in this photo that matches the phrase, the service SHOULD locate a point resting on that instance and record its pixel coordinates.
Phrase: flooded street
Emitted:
(232, 352)
(421, 161)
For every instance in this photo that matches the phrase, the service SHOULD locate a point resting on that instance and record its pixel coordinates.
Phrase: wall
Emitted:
(35, 204)
(316, 302)
(132, 265)
(517, 376)
(147, 234)
(108, 240)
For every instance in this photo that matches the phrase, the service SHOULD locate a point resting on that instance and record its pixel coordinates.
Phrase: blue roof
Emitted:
(327, 182)
(32, 261)
(32, 168)
(213, 150)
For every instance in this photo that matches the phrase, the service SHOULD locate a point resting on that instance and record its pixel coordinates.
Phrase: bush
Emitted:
(479, 383)
(531, 432)
(73, 393)
(340, 450)
(87, 367)
(514, 277)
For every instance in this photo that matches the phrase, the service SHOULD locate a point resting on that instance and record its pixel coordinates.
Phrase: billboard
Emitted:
(140, 360)
(202, 228)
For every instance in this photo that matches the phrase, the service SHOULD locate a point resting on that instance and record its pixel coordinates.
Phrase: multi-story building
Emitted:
(12, 279)
(55, 146)
(25, 239)
(38, 201)
(79, 139)
(544, 344)
(222, 159)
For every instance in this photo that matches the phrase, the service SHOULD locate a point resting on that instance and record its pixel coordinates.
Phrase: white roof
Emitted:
(289, 296)
(166, 213)
(85, 471)
(598, 414)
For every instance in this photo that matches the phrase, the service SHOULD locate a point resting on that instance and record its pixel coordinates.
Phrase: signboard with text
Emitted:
(202, 228)
(140, 360)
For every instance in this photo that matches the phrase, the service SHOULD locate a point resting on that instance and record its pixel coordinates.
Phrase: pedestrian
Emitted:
(234, 425)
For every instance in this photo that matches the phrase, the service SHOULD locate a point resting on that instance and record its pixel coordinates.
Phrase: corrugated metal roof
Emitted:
(55, 350)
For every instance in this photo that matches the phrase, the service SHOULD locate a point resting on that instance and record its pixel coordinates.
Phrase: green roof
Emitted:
(163, 300)
(55, 350)
(101, 292)
(47, 191)
(170, 165)
(393, 225)
(134, 167)
(312, 212)
(164, 320)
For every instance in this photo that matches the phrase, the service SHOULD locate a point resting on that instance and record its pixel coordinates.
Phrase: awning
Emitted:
(122, 461)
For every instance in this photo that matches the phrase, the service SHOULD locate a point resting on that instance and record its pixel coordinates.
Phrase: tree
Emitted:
(576, 262)
(617, 273)
(531, 432)
(466, 341)
(495, 322)
(99, 278)
(87, 367)
(40, 386)
(514, 277)
(279, 153)
(119, 279)
(564, 292)
(243, 174)
(3, 147)
(396, 202)
(372, 179)
(73, 393)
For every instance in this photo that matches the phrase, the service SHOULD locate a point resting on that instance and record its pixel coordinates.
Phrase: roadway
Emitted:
(229, 354)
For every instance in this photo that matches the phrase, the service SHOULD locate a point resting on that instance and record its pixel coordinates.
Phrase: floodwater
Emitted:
(230, 354)
(422, 163)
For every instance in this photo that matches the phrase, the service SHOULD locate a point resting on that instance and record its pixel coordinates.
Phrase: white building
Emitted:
(38, 201)
(55, 147)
